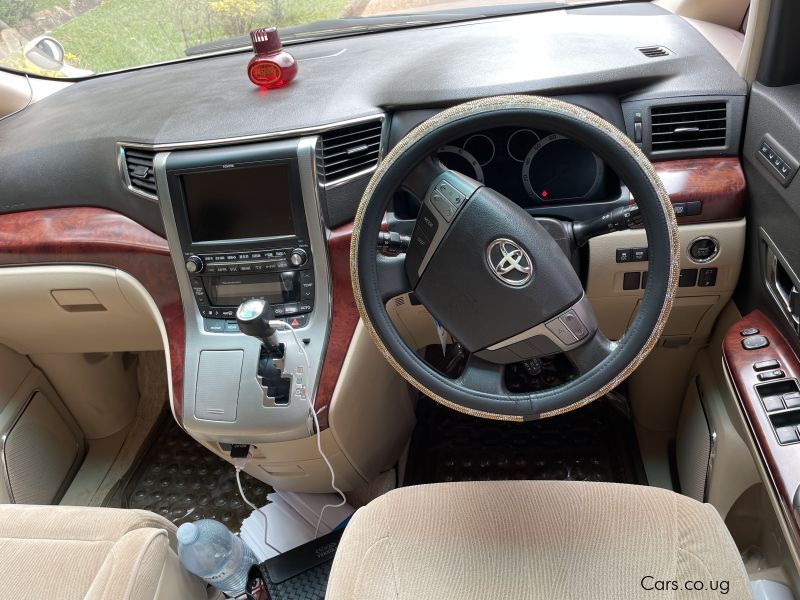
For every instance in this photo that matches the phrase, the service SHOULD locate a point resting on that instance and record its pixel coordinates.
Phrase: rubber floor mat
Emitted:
(593, 443)
(184, 481)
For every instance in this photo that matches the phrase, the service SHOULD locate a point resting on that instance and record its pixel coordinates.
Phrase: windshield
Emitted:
(76, 38)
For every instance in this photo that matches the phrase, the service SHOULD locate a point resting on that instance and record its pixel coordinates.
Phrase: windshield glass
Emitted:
(76, 38)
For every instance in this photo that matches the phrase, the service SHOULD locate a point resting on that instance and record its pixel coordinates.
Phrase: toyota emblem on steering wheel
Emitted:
(509, 262)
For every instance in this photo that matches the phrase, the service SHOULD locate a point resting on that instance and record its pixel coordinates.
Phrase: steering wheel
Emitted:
(494, 278)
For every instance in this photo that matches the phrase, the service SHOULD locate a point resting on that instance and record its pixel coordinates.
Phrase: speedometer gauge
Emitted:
(559, 169)
(460, 160)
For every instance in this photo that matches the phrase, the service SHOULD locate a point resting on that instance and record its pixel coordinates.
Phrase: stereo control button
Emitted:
(290, 308)
(305, 307)
(298, 257)
(194, 264)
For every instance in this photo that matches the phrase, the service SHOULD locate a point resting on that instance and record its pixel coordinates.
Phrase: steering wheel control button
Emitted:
(509, 262)
(427, 223)
(787, 434)
(453, 196)
(749, 331)
(561, 331)
(688, 278)
(443, 206)
(763, 365)
(623, 255)
(770, 375)
(755, 342)
(574, 324)
(703, 249)
(631, 281)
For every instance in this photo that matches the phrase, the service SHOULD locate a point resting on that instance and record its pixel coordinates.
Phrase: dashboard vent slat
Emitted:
(140, 174)
(350, 151)
(699, 126)
(654, 51)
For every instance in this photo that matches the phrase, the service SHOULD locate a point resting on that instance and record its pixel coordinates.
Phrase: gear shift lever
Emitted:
(253, 317)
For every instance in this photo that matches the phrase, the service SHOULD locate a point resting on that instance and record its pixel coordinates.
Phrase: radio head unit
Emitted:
(243, 231)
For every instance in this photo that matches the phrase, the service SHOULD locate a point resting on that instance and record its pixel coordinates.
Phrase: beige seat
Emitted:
(535, 540)
(72, 553)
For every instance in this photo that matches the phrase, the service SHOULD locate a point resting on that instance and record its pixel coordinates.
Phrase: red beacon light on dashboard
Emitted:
(271, 67)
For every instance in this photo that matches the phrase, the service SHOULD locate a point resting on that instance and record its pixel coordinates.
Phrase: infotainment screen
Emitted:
(251, 202)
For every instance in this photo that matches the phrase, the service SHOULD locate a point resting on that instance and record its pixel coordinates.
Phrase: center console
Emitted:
(243, 222)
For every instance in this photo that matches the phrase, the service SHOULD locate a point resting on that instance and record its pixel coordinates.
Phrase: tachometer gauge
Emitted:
(460, 160)
(558, 169)
(520, 142)
(481, 147)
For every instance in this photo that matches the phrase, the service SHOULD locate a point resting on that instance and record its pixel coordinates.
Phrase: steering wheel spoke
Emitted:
(392, 278)
(423, 175)
(483, 376)
(591, 353)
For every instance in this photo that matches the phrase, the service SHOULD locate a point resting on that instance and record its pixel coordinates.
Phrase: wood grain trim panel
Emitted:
(96, 236)
(781, 462)
(718, 182)
(344, 318)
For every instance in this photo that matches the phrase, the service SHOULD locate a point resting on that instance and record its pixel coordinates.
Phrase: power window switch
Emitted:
(787, 434)
(773, 403)
(749, 331)
(792, 400)
(770, 375)
(763, 365)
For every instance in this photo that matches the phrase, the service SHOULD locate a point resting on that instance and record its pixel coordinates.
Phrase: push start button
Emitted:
(703, 249)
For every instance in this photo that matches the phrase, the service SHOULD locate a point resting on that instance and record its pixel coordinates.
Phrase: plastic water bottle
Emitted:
(209, 550)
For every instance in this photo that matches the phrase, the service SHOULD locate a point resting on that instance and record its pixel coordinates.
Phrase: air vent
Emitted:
(688, 126)
(350, 151)
(140, 175)
(654, 51)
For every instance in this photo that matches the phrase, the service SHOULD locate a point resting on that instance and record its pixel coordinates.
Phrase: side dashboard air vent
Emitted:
(654, 51)
(688, 126)
(139, 174)
(350, 151)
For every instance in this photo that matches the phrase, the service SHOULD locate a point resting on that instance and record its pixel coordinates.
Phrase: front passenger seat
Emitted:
(77, 553)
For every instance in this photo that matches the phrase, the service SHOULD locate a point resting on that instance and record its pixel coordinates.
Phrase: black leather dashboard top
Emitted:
(61, 150)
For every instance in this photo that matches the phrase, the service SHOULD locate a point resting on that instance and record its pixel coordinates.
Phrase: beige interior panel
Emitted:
(41, 445)
(604, 285)
(371, 419)
(15, 92)
(34, 322)
(100, 390)
(414, 323)
(728, 13)
(728, 41)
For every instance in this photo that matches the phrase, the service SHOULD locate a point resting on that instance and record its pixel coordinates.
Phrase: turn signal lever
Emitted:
(391, 242)
(619, 219)
(253, 317)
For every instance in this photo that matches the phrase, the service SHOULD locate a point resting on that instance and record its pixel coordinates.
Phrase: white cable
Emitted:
(281, 325)
(27, 104)
(240, 464)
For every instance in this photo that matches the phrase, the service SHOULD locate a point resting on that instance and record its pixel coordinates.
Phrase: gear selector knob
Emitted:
(254, 316)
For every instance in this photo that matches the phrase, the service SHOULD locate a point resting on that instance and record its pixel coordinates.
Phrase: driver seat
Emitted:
(535, 540)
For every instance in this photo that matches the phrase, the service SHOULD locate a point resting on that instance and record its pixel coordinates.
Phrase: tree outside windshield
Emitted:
(94, 36)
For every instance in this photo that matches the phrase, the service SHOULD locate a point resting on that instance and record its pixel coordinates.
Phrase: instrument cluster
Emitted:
(531, 167)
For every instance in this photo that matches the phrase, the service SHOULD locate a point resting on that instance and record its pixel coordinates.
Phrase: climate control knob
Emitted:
(194, 264)
(298, 258)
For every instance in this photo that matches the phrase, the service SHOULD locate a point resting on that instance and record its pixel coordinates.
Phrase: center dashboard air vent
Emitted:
(350, 151)
(138, 172)
(700, 126)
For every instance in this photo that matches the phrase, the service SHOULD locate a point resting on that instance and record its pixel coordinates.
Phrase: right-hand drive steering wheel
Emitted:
(494, 278)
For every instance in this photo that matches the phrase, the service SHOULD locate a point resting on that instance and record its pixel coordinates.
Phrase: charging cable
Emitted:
(240, 463)
(285, 326)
